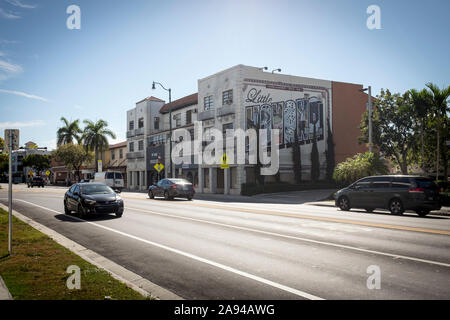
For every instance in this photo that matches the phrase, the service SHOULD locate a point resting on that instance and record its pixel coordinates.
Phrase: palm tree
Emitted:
(421, 101)
(439, 102)
(95, 137)
(69, 132)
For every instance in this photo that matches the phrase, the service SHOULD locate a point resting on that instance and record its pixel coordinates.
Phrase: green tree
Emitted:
(69, 132)
(315, 162)
(330, 152)
(360, 166)
(393, 126)
(297, 158)
(2, 143)
(421, 101)
(38, 162)
(95, 137)
(440, 109)
(74, 156)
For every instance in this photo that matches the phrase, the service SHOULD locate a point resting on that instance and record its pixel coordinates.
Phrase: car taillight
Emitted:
(174, 186)
(417, 190)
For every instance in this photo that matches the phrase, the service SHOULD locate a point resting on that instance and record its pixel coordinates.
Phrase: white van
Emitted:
(113, 179)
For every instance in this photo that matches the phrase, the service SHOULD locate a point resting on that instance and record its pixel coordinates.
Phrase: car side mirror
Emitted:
(117, 191)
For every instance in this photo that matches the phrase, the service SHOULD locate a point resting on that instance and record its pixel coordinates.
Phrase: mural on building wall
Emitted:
(302, 114)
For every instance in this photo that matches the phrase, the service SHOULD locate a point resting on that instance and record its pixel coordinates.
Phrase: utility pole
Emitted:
(10, 148)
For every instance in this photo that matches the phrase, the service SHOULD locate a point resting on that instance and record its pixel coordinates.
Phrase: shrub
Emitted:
(360, 166)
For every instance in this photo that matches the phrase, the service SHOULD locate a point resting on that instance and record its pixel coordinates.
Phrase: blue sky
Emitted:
(100, 71)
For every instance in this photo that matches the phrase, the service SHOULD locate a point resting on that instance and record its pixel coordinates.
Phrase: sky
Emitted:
(48, 71)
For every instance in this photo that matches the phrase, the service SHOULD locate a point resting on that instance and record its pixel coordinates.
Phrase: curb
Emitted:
(129, 278)
(4, 292)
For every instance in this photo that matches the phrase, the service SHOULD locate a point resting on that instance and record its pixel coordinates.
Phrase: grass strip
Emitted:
(37, 269)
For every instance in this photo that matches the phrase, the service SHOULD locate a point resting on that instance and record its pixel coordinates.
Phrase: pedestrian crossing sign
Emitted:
(158, 167)
(224, 163)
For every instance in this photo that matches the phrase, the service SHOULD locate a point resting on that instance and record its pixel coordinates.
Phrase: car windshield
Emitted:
(179, 181)
(426, 183)
(96, 189)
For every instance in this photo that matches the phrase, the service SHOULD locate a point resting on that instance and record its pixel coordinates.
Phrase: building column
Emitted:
(213, 180)
(200, 179)
(135, 180)
(142, 180)
(129, 179)
(226, 181)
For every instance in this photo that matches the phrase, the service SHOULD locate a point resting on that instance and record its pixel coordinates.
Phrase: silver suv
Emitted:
(395, 193)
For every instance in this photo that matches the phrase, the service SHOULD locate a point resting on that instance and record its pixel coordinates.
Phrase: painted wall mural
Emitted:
(302, 114)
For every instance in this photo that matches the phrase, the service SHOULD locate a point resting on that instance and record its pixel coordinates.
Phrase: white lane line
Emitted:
(396, 256)
(194, 257)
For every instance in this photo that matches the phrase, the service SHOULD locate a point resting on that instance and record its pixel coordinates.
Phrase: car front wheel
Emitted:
(66, 210)
(166, 195)
(396, 207)
(344, 203)
(81, 212)
(151, 195)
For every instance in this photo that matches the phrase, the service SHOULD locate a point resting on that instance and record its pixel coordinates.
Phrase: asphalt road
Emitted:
(247, 250)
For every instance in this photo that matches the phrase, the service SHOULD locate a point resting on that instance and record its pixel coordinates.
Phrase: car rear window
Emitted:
(425, 183)
(110, 175)
(118, 175)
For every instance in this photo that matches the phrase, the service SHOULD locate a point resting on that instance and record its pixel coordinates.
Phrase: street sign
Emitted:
(158, 167)
(224, 162)
(12, 134)
(47, 172)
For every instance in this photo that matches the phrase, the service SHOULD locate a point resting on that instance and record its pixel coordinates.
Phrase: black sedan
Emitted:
(92, 198)
(171, 188)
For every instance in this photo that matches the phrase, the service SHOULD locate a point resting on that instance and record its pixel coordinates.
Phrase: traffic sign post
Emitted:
(12, 141)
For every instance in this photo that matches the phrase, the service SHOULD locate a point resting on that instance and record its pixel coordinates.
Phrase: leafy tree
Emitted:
(38, 162)
(360, 166)
(68, 133)
(74, 156)
(421, 101)
(393, 126)
(297, 158)
(330, 153)
(4, 162)
(315, 162)
(2, 143)
(95, 137)
(440, 109)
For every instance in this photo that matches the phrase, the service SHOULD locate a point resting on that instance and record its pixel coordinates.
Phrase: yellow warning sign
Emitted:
(224, 163)
(47, 172)
(158, 167)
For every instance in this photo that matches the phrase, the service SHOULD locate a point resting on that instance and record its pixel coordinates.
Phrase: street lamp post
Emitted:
(369, 107)
(170, 124)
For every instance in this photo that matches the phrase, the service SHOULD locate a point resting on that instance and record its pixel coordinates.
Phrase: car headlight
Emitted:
(90, 202)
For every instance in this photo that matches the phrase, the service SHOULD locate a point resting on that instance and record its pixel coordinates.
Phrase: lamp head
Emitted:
(153, 85)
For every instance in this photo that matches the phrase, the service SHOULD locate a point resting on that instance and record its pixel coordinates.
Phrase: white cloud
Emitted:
(23, 94)
(8, 69)
(8, 15)
(17, 3)
(21, 124)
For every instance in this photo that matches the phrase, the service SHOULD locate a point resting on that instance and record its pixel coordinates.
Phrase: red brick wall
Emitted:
(348, 106)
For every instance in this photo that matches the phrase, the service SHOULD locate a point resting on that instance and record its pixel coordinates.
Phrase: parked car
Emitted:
(113, 179)
(92, 198)
(171, 188)
(36, 182)
(395, 193)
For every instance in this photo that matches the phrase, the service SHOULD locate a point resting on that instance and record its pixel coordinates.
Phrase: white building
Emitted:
(141, 123)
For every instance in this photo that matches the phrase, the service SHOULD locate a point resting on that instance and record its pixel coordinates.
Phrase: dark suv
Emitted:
(395, 193)
(36, 182)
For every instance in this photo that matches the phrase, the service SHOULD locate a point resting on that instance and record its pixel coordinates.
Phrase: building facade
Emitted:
(244, 97)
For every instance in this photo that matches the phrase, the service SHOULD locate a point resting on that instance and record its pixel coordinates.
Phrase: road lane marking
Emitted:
(395, 256)
(301, 216)
(194, 257)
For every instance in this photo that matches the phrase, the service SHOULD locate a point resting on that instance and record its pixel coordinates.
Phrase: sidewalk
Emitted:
(4, 292)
